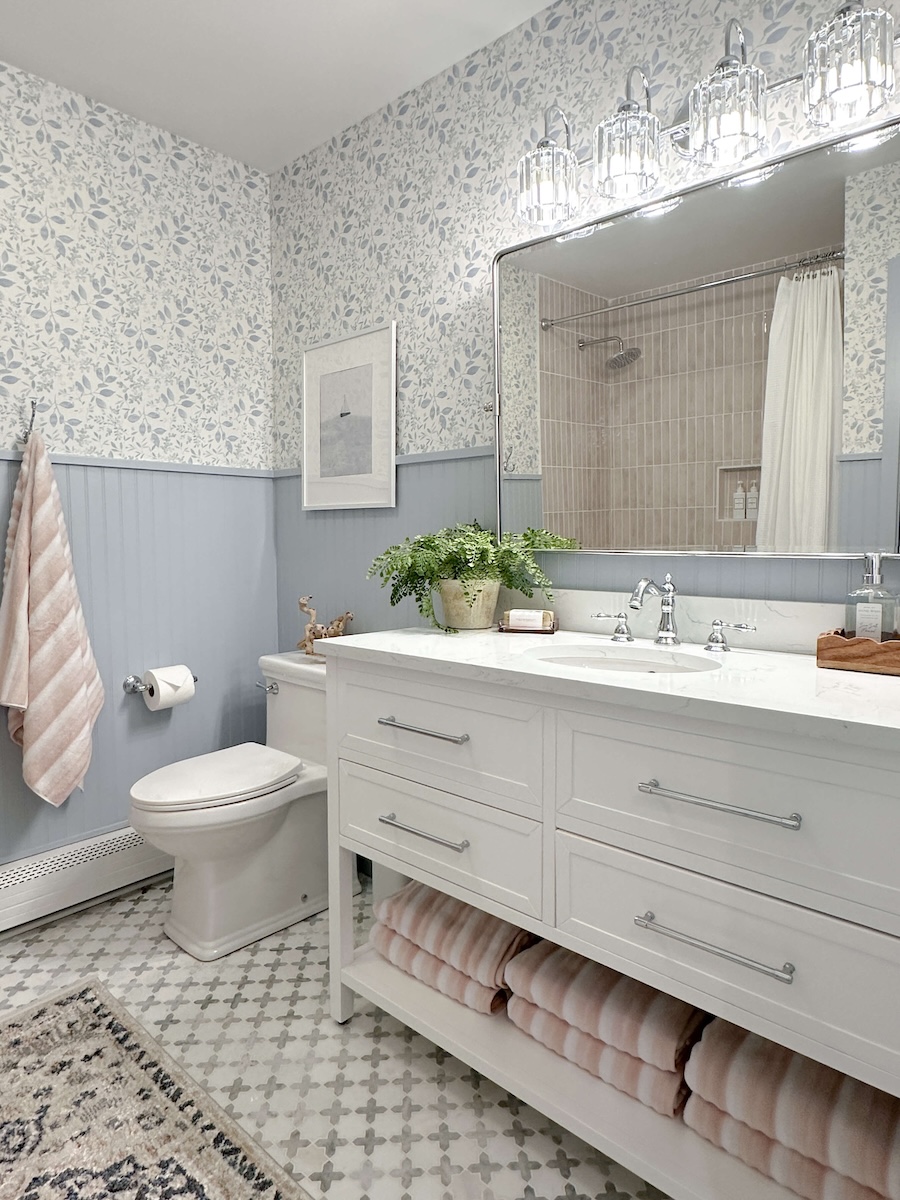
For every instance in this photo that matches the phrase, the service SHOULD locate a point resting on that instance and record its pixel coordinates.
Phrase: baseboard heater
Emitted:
(31, 888)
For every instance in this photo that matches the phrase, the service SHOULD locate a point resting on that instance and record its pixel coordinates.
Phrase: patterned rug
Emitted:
(92, 1108)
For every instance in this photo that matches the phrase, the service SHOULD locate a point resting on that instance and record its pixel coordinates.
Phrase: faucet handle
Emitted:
(621, 633)
(716, 642)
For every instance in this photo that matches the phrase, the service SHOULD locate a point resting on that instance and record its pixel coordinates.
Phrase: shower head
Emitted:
(624, 358)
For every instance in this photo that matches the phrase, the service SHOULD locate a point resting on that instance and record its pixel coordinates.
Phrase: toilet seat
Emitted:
(211, 780)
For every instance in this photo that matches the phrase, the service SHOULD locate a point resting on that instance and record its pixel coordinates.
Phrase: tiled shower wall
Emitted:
(654, 450)
(688, 409)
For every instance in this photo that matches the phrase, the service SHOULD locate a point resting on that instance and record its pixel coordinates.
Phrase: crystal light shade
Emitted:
(727, 111)
(849, 66)
(547, 184)
(548, 187)
(626, 148)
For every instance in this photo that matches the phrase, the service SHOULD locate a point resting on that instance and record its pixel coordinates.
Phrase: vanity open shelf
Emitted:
(752, 808)
(629, 1132)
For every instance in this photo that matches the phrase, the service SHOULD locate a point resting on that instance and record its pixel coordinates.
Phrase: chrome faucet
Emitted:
(667, 634)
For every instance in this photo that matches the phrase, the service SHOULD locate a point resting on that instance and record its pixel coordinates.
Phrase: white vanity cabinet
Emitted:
(730, 837)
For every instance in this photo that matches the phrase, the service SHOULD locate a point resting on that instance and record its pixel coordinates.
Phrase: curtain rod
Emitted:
(814, 260)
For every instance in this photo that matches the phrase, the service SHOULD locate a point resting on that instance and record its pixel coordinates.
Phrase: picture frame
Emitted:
(350, 421)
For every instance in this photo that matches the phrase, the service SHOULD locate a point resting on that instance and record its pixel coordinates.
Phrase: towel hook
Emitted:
(30, 429)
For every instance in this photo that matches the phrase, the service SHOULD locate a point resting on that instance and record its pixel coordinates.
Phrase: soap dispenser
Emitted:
(739, 502)
(871, 608)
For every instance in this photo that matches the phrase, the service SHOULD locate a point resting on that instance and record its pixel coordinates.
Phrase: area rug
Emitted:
(92, 1108)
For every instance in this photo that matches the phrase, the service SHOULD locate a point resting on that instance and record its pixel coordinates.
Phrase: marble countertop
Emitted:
(758, 689)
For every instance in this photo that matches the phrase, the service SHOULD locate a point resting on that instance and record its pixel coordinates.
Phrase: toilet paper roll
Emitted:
(168, 686)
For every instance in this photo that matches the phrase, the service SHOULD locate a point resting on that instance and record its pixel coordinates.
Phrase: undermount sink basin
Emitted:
(630, 659)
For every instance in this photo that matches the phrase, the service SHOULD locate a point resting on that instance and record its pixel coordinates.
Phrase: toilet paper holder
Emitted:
(133, 685)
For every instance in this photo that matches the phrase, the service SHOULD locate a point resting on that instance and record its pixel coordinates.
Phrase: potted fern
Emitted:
(466, 565)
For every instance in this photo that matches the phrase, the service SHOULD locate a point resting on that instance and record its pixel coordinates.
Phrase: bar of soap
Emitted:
(528, 618)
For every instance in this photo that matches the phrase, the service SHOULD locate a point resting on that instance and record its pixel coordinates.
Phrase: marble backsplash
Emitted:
(787, 626)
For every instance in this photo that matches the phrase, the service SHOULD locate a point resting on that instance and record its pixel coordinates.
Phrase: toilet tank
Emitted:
(295, 715)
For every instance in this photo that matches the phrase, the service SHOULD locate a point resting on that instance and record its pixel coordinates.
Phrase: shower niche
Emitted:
(641, 377)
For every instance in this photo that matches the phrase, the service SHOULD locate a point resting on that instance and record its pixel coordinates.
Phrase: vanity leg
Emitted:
(340, 922)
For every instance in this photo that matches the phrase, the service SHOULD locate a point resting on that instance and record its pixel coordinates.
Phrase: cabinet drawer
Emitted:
(823, 832)
(487, 748)
(499, 855)
(842, 993)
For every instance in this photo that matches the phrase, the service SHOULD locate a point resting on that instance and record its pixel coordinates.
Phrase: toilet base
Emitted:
(208, 949)
(243, 887)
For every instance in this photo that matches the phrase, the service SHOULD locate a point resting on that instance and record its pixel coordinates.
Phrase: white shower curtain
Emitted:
(803, 397)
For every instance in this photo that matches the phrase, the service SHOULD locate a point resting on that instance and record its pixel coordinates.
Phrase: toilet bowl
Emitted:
(247, 826)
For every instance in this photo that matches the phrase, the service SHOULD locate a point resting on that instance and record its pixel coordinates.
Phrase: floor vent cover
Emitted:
(85, 852)
(37, 887)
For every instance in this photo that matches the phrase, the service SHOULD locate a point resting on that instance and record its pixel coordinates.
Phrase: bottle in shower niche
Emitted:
(752, 501)
(871, 609)
(739, 505)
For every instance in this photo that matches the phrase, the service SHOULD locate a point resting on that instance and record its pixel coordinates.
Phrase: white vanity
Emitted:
(727, 834)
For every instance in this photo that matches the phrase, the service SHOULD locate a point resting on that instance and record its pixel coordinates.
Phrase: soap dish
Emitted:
(550, 624)
(840, 653)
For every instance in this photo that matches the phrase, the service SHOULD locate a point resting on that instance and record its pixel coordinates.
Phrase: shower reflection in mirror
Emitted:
(715, 379)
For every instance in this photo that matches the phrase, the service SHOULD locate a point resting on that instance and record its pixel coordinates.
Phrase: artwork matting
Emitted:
(350, 420)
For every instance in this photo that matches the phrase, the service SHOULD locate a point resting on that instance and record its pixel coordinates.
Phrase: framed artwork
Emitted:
(349, 421)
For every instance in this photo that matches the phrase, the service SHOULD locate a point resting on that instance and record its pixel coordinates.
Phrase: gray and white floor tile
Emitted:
(368, 1110)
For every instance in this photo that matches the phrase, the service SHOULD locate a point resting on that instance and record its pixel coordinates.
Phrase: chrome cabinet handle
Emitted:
(457, 739)
(270, 689)
(391, 819)
(783, 974)
(652, 788)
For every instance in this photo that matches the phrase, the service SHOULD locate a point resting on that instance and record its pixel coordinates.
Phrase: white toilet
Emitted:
(247, 825)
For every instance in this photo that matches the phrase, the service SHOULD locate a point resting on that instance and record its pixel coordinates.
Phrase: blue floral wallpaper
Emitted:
(520, 339)
(872, 237)
(400, 216)
(135, 289)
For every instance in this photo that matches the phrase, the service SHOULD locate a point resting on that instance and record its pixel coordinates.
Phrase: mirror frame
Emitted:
(609, 219)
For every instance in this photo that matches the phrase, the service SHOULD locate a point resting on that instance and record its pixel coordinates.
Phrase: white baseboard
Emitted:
(36, 887)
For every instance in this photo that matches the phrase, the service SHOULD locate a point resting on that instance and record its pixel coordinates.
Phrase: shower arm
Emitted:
(583, 342)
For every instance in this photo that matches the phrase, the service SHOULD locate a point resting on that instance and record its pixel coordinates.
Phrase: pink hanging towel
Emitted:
(48, 677)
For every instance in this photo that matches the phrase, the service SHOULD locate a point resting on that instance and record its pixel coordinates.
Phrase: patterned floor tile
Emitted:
(368, 1110)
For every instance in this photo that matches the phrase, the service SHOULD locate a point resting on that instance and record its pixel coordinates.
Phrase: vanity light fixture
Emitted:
(752, 178)
(626, 147)
(660, 208)
(849, 72)
(867, 141)
(547, 177)
(727, 110)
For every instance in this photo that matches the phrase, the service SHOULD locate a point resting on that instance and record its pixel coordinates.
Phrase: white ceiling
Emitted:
(260, 80)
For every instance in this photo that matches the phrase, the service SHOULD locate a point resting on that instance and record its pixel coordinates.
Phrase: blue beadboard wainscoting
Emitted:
(327, 554)
(197, 565)
(173, 565)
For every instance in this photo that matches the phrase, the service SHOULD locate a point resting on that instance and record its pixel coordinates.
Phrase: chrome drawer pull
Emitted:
(783, 974)
(391, 819)
(457, 739)
(652, 788)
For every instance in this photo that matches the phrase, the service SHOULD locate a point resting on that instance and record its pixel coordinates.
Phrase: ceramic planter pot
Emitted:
(459, 613)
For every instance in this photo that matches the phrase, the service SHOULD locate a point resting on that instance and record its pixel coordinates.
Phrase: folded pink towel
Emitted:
(837, 1121)
(472, 941)
(437, 974)
(792, 1170)
(663, 1091)
(48, 677)
(609, 1006)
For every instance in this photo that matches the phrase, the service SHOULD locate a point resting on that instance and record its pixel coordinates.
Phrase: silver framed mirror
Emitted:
(718, 374)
